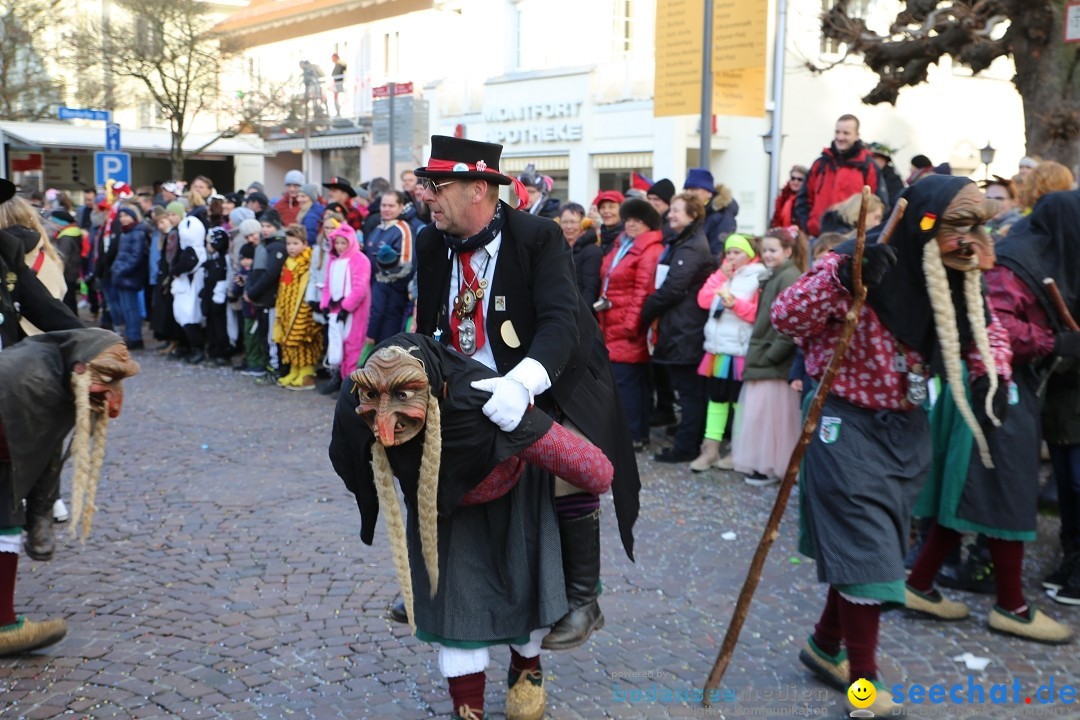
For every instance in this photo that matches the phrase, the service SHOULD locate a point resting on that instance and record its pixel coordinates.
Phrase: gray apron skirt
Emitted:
(1007, 495)
(500, 569)
(861, 475)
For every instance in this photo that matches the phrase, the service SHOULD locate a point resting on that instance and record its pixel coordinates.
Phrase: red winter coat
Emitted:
(289, 209)
(783, 212)
(632, 280)
(833, 178)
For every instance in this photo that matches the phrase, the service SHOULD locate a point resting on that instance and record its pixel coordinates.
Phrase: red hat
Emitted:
(608, 196)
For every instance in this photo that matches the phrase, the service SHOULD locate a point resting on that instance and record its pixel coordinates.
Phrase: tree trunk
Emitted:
(176, 149)
(1048, 79)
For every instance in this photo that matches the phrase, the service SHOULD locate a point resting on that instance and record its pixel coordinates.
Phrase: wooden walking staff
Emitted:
(1066, 319)
(1059, 304)
(753, 576)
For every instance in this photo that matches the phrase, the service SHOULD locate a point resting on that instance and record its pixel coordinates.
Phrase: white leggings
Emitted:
(455, 662)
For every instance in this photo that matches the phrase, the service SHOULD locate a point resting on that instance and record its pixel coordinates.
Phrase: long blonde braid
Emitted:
(937, 287)
(973, 298)
(80, 446)
(427, 492)
(97, 459)
(395, 526)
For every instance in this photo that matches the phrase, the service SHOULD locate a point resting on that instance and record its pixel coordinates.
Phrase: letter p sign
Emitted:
(112, 165)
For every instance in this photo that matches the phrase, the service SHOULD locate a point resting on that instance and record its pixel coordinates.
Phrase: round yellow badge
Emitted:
(862, 693)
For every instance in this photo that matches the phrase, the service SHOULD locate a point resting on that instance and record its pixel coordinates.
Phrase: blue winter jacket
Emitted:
(311, 222)
(129, 267)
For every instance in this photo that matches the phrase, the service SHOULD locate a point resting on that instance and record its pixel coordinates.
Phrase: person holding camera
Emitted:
(628, 277)
(679, 331)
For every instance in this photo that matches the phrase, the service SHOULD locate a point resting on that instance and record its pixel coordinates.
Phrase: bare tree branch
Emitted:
(165, 50)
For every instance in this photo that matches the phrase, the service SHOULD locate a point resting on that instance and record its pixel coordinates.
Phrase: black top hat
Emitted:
(7, 190)
(464, 159)
(340, 183)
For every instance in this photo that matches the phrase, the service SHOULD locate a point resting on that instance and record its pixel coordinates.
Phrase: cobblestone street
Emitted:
(224, 577)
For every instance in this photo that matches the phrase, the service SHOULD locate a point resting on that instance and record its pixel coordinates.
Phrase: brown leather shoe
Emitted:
(27, 635)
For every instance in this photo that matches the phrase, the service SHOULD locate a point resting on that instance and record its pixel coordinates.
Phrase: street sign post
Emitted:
(112, 137)
(66, 113)
(112, 166)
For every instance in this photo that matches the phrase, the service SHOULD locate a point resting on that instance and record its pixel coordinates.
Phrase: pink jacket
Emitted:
(357, 302)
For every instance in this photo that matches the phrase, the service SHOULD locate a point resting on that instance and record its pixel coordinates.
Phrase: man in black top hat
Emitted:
(498, 285)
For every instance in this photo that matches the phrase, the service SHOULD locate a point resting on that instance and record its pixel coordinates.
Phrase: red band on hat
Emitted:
(450, 167)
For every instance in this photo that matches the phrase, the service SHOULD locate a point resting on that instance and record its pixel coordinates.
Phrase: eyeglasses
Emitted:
(796, 178)
(431, 186)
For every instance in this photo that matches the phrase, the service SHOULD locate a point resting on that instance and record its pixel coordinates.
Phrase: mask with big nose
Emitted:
(393, 391)
(107, 372)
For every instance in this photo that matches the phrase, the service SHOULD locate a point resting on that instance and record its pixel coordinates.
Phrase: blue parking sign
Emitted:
(112, 165)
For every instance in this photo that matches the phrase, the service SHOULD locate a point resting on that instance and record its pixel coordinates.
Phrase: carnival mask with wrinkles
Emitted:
(107, 373)
(393, 391)
(964, 244)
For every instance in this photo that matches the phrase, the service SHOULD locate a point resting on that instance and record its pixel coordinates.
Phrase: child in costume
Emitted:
(187, 284)
(730, 295)
(295, 331)
(346, 299)
(481, 511)
(767, 420)
(215, 281)
(865, 463)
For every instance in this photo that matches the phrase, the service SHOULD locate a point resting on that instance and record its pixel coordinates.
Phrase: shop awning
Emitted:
(622, 161)
(543, 163)
(318, 142)
(62, 135)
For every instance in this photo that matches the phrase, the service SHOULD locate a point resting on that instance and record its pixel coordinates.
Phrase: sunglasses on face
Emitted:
(796, 178)
(431, 186)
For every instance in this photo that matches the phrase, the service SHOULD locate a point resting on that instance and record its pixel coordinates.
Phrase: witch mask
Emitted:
(107, 373)
(964, 244)
(393, 391)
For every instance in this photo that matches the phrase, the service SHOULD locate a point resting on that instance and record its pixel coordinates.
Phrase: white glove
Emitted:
(509, 401)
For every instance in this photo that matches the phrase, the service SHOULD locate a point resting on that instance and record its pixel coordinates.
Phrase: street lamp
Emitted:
(986, 154)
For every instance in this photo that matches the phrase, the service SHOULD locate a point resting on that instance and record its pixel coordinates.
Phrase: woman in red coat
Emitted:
(628, 276)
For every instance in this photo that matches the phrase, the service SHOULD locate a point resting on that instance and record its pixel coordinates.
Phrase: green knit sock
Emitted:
(716, 420)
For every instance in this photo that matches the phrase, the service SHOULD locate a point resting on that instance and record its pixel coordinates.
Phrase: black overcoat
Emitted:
(535, 279)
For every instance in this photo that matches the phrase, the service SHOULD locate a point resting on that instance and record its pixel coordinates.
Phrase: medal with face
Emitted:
(467, 336)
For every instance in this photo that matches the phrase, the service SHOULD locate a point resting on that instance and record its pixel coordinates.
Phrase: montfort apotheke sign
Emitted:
(534, 123)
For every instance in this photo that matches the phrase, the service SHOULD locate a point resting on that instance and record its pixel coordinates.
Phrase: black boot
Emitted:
(397, 612)
(40, 539)
(331, 386)
(580, 539)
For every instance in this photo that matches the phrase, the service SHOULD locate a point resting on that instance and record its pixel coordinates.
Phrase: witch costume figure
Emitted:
(1001, 501)
(478, 557)
(864, 465)
(52, 383)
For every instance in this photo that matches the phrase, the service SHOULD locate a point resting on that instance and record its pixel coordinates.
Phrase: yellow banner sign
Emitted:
(740, 34)
(740, 92)
(679, 47)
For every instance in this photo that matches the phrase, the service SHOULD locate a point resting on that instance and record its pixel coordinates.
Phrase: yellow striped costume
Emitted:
(299, 336)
